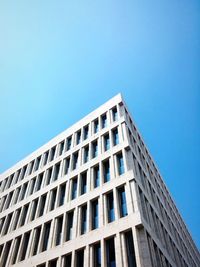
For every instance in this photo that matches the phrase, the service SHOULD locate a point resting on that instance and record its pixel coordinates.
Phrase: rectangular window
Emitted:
(5, 254)
(106, 142)
(95, 214)
(39, 182)
(83, 219)
(115, 135)
(17, 215)
(36, 240)
(70, 216)
(83, 183)
(66, 165)
(62, 194)
(106, 171)
(52, 153)
(34, 209)
(61, 148)
(45, 240)
(22, 174)
(110, 207)
(32, 185)
(46, 154)
(75, 160)
(53, 263)
(97, 255)
(130, 252)
(42, 205)
(31, 167)
(23, 191)
(80, 258)
(59, 224)
(24, 246)
(96, 175)
(114, 113)
(86, 132)
(23, 216)
(78, 137)
(9, 198)
(16, 249)
(103, 121)
(48, 176)
(53, 199)
(56, 171)
(96, 126)
(94, 149)
(69, 143)
(120, 164)
(67, 260)
(37, 163)
(86, 154)
(110, 253)
(74, 188)
(122, 202)
(7, 224)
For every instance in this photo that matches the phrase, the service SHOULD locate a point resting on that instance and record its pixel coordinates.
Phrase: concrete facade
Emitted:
(90, 197)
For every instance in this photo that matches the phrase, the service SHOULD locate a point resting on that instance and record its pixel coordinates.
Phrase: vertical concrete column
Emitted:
(112, 167)
(51, 234)
(124, 254)
(118, 254)
(103, 253)
(73, 262)
(87, 256)
(101, 211)
(75, 223)
(129, 201)
(116, 204)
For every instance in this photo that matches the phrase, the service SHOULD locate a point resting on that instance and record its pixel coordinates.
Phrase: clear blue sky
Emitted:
(59, 60)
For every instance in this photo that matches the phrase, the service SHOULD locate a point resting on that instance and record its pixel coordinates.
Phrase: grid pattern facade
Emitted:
(92, 197)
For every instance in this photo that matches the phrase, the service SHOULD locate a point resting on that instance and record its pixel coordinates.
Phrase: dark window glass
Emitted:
(106, 142)
(83, 219)
(96, 176)
(75, 160)
(16, 249)
(86, 132)
(67, 260)
(52, 154)
(106, 171)
(78, 137)
(24, 246)
(34, 209)
(59, 224)
(110, 253)
(56, 171)
(7, 224)
(45, 158)
(114, 113)
(120, 164)
(36, 240)
(53, 199)
(122, 202)
(74, 188)
(115, 137)
(80, 258)
(31, 167)
(5, 254)
(69, 143)
(42, 205)
(104, 120)
(39, 181)
(46, 236)
(62, 194)
(94, 149)
(23, 191)
(97, 255)
(95, 214)
(61, 148)
(83, 183)
(96, 126)
(130, 252)
(86, 154)
(110, 207)
(49, 174)
(66, 164)
(37, 163)
(23, 216)
(53, 263)
(70, 216)
(17, 215)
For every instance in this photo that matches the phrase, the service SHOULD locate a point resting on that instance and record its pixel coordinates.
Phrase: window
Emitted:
(94, 149)
(5, 254)
(61, 148)
(56, 171)
(39, 181)
(96, 126)
(23, 171)
(62, 194)
(23, 216)
(42, 205)
(110, 253)
(7, 224)
(16, 249)
(106, 171)
(52, 154)
(115, 137)
(53, 263)
(97, 255)
(46, 154)
(34, 209)
(36, 239)
(110, 207)
(32, 185)
(83, 219)
(67, 259)
(69, 143)
(46, 236)
(83, 183)
(103, 121)
(53, 199)
(69, 227)
(86, 132)
(17, 214)
(106, 142)
(114, 113)
(66, 165)
(78, 137)
(23, 191)
(31, 167)
(75, 160)
(120, 164)
(122, 202)
(59, 224)
(37, 163)
(95, 214)
(80, 258)
(96, 175)
(86, 154)
(74, 188)
(48, 176)
(24, 246)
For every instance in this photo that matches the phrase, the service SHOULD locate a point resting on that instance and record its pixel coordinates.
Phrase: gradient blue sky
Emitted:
(59, 60)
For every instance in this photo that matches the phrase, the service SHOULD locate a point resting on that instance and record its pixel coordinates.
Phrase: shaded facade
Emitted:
(92, 197)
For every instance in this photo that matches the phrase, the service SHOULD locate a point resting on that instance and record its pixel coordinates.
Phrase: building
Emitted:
(92, 197)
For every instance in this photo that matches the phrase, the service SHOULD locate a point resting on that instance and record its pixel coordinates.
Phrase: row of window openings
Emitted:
(38, 209)
(35, 185)
(50, 155)
(21, 245)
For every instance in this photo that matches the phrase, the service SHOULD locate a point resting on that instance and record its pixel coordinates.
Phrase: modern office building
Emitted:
(92, 197)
